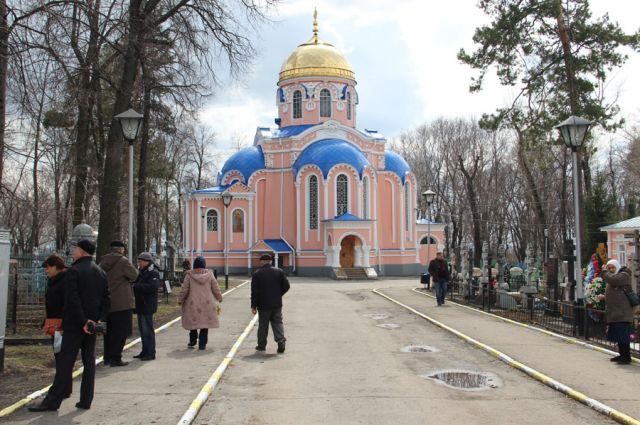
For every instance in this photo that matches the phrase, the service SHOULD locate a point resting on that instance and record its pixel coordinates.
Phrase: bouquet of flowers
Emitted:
(595, 288)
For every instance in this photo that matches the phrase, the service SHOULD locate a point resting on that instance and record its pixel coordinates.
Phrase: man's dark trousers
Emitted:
(72, 341)
(147, 335)
(118, 329)
(273, 316)
(441, 290)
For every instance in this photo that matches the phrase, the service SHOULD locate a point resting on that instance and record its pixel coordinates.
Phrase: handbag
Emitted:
(632, 296)
(51, 326)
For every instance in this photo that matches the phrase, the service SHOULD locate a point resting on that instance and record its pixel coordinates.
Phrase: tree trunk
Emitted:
(142, 174)
(113, 163)
(4, 66)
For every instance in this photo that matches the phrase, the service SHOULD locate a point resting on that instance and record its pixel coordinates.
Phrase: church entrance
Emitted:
(347, 251)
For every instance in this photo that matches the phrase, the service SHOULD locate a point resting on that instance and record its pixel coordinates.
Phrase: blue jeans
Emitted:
(148, 336)
(441, 290)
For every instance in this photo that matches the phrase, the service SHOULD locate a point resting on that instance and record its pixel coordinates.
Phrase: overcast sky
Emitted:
(403, 53)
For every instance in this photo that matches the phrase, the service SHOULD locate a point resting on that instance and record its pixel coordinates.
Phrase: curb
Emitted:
(204, 394)
(17, 405)
(547, 332)
(594, 404)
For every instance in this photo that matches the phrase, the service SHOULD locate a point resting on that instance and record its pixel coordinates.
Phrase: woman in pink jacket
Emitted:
(200, 291)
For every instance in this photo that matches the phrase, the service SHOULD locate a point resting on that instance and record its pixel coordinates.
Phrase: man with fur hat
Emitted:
(268, 285)
(145, 289)
(120, 274)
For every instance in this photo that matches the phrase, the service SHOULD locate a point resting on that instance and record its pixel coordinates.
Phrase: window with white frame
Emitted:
(348, 105)
(407, 205)
(297, 104)
(622, 254)
(365, 197)
(212, 221)
(325, 103)
(313, 202)
(342, 194)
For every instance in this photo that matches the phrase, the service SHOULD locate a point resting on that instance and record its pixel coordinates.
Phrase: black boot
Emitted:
(625, 354)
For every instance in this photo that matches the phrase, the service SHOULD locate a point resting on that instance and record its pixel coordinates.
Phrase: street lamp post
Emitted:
(227, 197)
(428, 196)
(573, 131)
(130, 123)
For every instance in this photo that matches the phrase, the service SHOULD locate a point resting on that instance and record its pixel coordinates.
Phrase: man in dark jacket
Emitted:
(439, 272)
(145, 289)
(268, 285)
(86, 303)
(120, 274)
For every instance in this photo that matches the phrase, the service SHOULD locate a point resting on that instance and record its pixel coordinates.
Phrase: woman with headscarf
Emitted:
(618, 310)
(56, 272)
(200, 291)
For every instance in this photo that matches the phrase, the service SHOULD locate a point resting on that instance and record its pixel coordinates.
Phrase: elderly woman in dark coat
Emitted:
(56, 272)
(618, 310)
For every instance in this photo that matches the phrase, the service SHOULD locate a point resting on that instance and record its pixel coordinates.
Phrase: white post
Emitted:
(226, 265)
(5, 249)
(130, 242)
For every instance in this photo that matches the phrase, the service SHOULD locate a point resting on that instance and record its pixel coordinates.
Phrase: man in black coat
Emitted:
(145, 289)
(439, 271)
(268, 285)
(86, 304)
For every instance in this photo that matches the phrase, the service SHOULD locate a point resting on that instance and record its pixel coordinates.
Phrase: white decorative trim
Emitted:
(310, 105)
(285, 107)
(340, 105)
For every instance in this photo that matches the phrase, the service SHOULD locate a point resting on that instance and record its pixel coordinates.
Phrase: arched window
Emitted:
(407, 205)
(212, 221)
(428, 240)
(238, 221)
(325, 103)
(348, 105)
(365, 197)
(342, 195)
(297, 104)
(313, 202)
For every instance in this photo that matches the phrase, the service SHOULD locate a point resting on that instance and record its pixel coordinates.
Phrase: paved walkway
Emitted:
(340, 367)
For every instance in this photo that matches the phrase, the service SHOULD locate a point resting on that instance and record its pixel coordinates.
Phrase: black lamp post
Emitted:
(227, 197)
(130, 123)
(573, 131)
(428, 196)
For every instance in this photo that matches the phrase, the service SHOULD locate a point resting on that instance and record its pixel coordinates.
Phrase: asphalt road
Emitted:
(340, 367)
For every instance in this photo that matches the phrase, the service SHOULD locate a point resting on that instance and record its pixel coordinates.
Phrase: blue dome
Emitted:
(326, 153)
(247, 161)
(396, 164)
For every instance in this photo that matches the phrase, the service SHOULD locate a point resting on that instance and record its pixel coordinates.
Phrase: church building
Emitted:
(319, 194)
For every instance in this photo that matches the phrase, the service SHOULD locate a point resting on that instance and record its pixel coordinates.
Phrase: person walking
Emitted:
(618, 310)
(268, 285)
(145, 289)
(198, 297)
(86, 303)
(120, 275)
(55, 269)
(439, 272)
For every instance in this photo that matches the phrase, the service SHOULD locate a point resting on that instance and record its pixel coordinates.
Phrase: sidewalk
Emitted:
(159, 391)
(587, 371)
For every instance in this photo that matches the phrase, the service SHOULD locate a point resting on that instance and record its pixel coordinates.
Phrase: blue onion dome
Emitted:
(396, 164)
(247, 161)
(327, 153)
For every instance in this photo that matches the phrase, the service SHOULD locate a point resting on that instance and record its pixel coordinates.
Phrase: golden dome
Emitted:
(316, 58)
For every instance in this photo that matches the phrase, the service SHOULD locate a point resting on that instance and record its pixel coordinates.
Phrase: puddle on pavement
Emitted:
(465, 380)
(377, 316)
(356, 296)
(388, 326)
(419, 349)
